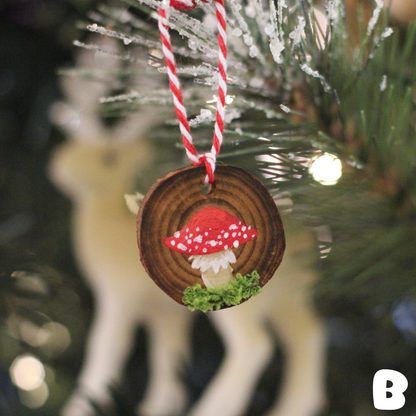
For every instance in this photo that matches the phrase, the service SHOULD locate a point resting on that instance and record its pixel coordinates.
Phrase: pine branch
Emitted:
(299, 89)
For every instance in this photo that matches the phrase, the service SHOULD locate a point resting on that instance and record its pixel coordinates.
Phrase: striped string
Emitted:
(207, 158)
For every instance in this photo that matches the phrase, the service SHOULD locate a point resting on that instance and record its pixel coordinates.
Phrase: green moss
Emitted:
(209, 299)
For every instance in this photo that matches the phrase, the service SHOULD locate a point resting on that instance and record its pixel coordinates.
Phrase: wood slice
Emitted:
(174, 199)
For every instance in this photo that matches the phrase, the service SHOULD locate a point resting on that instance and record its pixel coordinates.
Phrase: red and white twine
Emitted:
(197, 159)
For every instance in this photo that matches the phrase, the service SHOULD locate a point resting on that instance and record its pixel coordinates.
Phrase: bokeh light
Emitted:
(36, 398)
(326, 169)
(63, 116)
(27, 372)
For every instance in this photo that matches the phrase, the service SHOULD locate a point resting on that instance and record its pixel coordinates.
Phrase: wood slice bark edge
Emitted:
(172, 201)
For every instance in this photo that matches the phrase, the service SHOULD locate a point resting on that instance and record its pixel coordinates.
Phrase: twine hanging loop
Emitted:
(207, 158)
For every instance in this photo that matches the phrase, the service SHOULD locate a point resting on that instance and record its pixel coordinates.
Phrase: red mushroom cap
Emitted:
(210, 230)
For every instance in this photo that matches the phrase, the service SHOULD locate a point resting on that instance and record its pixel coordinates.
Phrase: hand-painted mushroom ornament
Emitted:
(209, 239)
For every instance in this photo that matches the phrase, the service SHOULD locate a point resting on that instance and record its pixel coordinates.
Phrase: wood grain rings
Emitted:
(174, 199)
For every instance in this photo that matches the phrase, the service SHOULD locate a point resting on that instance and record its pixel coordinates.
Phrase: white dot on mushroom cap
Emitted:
(198, 239)
(222, 232)
(232, 227)
(239, 222)
(226, 247)
(236, 244)
(249, 227)
(204, 250)
(245, 235)
(220, 243)
(190, 235)
(196, 247)
(189, 241)
(177, 234)
(234, 234)
(239, 234)
(182, 247)
(226, 235)
(197, 228)
(173, 242)
(219, 237)
(187, 230)
(206, 233)
(243, 228)
(253, 235)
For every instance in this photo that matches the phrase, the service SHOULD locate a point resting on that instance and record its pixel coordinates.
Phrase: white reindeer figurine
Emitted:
(96, 167)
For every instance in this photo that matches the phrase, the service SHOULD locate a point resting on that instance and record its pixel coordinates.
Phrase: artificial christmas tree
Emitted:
(302, 94)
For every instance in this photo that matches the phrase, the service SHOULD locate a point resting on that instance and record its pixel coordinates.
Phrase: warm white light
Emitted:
(54, 338)
(326, 169)
(27, 372)
(36, 398)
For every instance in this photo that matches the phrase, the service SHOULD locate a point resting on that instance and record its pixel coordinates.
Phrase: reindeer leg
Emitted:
(108, 346)
(303, 336)
(169, 347)
(248, 347)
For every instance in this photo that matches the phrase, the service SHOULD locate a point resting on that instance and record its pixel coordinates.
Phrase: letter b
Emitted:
(389, 397)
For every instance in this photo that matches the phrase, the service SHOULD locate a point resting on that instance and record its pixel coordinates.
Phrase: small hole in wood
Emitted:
(207, 189)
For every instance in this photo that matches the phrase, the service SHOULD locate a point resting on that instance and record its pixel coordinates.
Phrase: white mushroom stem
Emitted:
(220, 279)
(215, 268)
